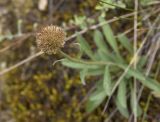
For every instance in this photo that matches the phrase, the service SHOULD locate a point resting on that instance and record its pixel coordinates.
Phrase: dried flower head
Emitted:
(50, 39)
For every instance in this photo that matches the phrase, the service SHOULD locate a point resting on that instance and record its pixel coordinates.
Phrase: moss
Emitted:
(45, 98)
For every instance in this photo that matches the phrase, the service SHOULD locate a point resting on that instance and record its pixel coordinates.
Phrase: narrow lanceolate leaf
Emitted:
(77, 65)
(122, 110)
(142, 61)
(104, 57)
(125, 42)
(85, 46)
(107, 84)
(96, 98)
(110, 36)
(98, 39)
(83, 74)
(95, 72)
(93, 104)
(97, 95)
(121, 94)
(150, 83)
(111, 40)
(136, 109)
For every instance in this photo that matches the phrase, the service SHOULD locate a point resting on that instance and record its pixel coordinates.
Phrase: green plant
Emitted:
(113, 68)
(110, 4)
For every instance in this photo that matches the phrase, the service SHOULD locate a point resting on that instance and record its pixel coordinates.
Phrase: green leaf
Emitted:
(150, 83)
(122, 110)
(104, 57)
(83, 74)
(95, 72)
(125, 42)
(99, 94)
(121, 94)
(142, 61)
(96, 98)
(107, 84)
(108, 33)
(85, 46)
(92, 105)
(77, 65)
(146, 2)
(98, 39)
(110, 36)
(138, 108)
(80, 21)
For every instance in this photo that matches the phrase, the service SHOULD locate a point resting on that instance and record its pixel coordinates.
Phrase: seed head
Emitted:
(50, 39)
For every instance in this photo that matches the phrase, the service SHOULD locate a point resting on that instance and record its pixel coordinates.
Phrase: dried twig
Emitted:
(135, 62)
(21, 63)
(19, 40)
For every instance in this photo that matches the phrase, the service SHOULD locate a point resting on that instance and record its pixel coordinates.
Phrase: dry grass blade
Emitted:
(135, 62)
